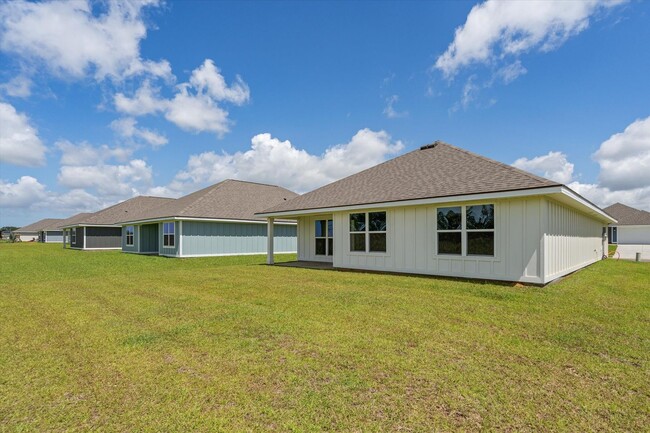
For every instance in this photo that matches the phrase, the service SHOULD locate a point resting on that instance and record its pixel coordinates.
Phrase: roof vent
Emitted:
(432, 145)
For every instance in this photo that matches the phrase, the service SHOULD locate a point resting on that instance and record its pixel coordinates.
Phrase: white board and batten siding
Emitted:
(307, 241)
(573, 240)
(535, 240)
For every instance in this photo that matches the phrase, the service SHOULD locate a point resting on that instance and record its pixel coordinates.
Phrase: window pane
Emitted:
(449, 243)
(378, 242)
(377, 221)
(166, 240)
(480, 217)
(129, 230)
(358, 242)
(330, 246)
(330, 228)
(320, 229)
(320, 247)
(480, 243)
(171, 240)
(449, 218)
(357, 222)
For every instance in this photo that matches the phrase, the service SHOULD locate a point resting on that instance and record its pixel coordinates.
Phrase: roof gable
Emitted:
(627, 215)
(114, 214)
(41, 225)
(435, 170)
(229, 199)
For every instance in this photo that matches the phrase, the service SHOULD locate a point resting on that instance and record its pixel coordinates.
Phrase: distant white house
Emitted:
(441, 210)
(45, 230)
(632, 226)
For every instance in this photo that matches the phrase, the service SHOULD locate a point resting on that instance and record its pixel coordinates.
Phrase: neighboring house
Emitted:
(70, 221)
(216, 221)
(632, 226)
(101, 230)
(441, 210)
(45, 230)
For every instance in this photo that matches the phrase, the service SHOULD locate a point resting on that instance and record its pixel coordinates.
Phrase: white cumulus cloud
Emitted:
(71, 41)
(127, 127)
(497, 30)
(553, 165)
(18, 87)
(196, 104)
(274, 161)
(624, 160)
(109, 181)
(19, 141)
(85, 153)
(25, 192)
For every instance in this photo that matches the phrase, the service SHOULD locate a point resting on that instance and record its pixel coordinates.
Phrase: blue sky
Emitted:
(101, 101)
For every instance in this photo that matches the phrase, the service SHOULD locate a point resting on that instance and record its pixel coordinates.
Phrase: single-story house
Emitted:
(632, 226)
(45, 230)
(70, 221)
(101, 230)
(441, 210)
(216, 221)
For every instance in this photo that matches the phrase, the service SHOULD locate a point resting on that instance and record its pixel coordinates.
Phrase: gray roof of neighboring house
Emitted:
(627, 215)
(42, 225)
(73, 219)
(229, 199)
(114, 214)
(435, 170)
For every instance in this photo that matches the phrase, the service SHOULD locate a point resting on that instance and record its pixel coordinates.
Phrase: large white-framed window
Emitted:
(465, 230)
(479, 226)
(368, 232)
(169, 234)
(130, 230)
(324, 235)
(450, 230)
(73, 235)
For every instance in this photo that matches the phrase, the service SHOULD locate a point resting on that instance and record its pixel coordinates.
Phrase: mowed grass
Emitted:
(106, 341)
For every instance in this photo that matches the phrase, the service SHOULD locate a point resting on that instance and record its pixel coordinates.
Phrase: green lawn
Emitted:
(108, 341)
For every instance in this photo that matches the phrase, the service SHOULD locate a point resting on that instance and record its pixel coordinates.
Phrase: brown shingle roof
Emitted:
(230, 199)
(627, 215)
(73, 219)
(114, 214)
(436, 170)
(42, 225)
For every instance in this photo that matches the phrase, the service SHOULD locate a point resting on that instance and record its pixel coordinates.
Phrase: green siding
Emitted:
(167, 251)
(215, 238)
(130, 248)
(149, 238)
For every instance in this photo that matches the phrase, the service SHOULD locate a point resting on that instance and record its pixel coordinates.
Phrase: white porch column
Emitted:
(605, 242)
(269, 241)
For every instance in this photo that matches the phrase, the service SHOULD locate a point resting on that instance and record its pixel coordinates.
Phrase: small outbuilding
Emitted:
(218, 220)
(101, 230)
(45, 230)
(441, 210)
(632, 226)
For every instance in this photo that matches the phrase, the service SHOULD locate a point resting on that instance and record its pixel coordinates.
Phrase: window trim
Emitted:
(132, 235)
(367, 233)
(73, 236)
(464, 231)
(172, 234)
(327, 236)
(460, 230)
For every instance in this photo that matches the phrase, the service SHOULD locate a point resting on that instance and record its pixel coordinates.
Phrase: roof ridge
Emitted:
(202, 197)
